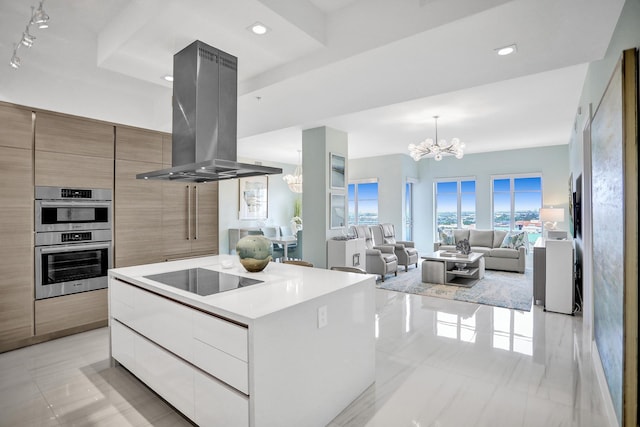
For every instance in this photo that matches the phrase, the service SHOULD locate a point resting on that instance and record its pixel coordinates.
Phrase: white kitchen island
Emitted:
(294, 350)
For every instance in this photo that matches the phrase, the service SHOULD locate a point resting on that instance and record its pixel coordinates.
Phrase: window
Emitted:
(408, 209)
(363, 202)
(516, 204)
(455, 203)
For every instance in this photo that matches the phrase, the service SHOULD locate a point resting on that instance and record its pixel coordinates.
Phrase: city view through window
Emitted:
(516, 205)
(363, 203)
(455, 204)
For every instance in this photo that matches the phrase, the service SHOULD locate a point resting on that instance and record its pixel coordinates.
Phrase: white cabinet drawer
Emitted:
(166, 374)
(164, 321)
(122, 345)
(221, 365)
(218, 405)
(225, 336)
(121, 301)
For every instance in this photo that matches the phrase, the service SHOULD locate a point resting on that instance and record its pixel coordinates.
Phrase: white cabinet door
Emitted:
(217, 404)
(166, 374)
(122, 345)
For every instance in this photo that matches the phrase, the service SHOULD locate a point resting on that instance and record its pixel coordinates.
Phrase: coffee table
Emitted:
(438, 267)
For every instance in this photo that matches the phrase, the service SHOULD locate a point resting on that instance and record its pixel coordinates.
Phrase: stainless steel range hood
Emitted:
(205, 110)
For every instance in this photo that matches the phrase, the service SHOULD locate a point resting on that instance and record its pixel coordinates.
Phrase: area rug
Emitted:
(498, 288)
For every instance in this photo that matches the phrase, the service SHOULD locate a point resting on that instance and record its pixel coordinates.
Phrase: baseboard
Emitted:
(610, 411)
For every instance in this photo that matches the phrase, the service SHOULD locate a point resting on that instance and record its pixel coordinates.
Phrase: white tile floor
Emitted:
(440, 363)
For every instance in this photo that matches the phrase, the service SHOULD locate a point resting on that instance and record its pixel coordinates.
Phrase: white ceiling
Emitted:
(376, 69)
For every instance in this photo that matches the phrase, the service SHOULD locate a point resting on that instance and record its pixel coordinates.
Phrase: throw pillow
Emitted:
(446, 237)
(514, 239)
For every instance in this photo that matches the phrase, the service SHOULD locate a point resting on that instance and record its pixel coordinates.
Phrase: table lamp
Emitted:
(551, 217)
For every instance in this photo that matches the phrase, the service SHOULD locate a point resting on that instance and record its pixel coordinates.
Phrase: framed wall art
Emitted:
(337, 210)
(338, 178)
(253, 197)
(614, 191)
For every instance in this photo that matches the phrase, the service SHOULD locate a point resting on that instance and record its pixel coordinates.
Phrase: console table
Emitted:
(346, 253)
(553, 274)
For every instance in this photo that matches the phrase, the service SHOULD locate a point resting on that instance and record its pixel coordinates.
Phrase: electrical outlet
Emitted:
(323, 319)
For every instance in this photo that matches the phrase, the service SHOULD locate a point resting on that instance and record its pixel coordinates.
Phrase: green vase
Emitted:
(254, 252)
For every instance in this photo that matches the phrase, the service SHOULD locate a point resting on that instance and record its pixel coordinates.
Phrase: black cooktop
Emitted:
(202, 281)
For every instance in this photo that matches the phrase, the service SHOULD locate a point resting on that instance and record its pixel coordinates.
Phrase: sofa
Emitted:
(502, 250)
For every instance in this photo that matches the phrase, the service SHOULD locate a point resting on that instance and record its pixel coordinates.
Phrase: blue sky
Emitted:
(528, 195)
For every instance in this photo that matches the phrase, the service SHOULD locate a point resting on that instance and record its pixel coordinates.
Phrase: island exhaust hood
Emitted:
(205, 110)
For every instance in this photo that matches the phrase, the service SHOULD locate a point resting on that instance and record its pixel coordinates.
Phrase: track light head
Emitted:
(27, 39)
(40, 17)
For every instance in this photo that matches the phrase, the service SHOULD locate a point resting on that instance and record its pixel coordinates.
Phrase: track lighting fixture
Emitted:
(38, 18)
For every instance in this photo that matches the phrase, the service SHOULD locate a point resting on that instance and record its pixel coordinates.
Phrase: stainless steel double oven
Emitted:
(73, 240)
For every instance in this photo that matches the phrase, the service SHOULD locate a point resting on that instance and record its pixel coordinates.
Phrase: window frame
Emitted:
(458, 180)
(512, 192)
(356, 182)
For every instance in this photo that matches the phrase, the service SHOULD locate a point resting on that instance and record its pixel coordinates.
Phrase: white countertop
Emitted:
(284, 285)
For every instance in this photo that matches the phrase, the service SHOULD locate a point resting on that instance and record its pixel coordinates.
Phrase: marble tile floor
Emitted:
(439, 363)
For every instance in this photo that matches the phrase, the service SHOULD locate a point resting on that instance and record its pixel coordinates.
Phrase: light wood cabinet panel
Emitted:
(69, 170)
(167, 154)
(189, 219)
(206, 219)
(70, 311)
(138, 215)
(17, 127)
(177, 219)
(16, 252)
(73, 135)
(138, 144)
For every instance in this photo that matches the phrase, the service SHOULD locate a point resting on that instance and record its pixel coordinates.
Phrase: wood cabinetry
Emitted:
(137, 203)
(189, 219)
(17, 127)
(86, 309)
(189, 215)
(16, 227)
(73, 151)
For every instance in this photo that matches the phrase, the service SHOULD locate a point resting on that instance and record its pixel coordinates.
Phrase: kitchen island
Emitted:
(288, 346)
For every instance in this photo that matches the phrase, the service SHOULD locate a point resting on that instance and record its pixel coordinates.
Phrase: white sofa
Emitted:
(488, 242)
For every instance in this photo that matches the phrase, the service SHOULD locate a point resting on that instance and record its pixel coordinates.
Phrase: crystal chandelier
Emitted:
(295, 181)
(437, 148)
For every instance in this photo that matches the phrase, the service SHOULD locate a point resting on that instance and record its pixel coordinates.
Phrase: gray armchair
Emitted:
(380, 259)
(385, 234)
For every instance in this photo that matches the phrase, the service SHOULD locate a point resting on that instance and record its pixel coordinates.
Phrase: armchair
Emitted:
(385, 234)
(380, 259)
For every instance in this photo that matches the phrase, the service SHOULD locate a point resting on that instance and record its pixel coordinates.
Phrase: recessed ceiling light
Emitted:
(168, 77)
(506, 50)
(258, 28)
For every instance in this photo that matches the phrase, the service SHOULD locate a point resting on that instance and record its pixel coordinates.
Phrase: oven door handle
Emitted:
(73, 248)
(63, 204)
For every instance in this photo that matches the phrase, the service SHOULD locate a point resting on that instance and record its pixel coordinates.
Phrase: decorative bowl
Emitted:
(254, 252)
